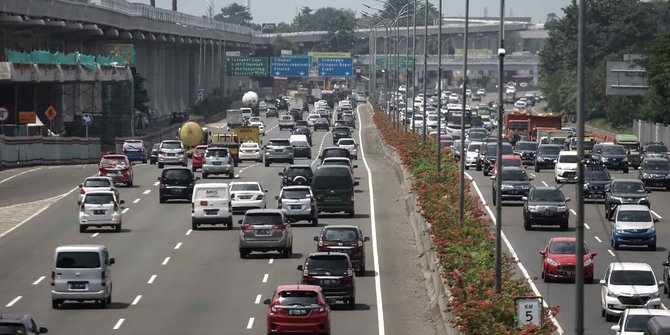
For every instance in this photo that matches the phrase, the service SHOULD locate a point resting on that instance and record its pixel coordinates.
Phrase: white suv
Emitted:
(566, 166)
(172, 152)
(628, 285)
(472, 154)
(634, 320)
(298, 203)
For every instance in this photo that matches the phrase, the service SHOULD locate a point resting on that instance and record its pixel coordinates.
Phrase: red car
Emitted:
(347, 239)
(116, 167)
(198, 157)
(508, 160)
(559, 259)
(298, 309)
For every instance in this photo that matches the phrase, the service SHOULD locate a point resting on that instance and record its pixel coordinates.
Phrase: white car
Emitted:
(250, 151)
(342, 161)
(100, 209)
(486, 121)
(260, 125)
(349, 144)
(431, 120)
(91, 184)
(520, 104)
(566, 167)
(418, 121)
(472, 154)
(246, 195)
(211, 205)
(634, 320)
(311, 118)
(628, 285)
(481, 91)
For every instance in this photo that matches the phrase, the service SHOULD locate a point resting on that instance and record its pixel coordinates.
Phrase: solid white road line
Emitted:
(250, 323)
(177, 246)
(533, 175)
(151, 280)
(265, 278)
(545, 183)
(611, 253)
(137, 300)
(125, 210)
(118, 324)
(321, 146)
(136, 200)
(573, 212)
(258, 299)
(146, 192)
(598, 239)
(188, 232)
(20, 173)
(656, 214)
(272, 260)
(38, 280)
(165, 261)
(11, 303)
(95, 234)
(469, 176)
(373, 229)
(587, 226)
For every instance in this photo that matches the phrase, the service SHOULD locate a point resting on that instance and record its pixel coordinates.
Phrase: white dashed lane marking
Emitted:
(156, 183)
(39, 280)
(146, 192)
(125, 210)
(11, 303)
(118, 324)
(165, 261)
(272, 260)
(177, 246)
(188, 232)
(656, 215)
(598, 239)
(258, 299)
(265, 278)
(152, 279)
(250, 323)
(611, 253)
(136, 200)
(573, 212)
(95, 234)
(137, 300)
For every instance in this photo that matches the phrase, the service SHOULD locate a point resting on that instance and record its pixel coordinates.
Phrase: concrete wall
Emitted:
(40, 150)
(647, 132)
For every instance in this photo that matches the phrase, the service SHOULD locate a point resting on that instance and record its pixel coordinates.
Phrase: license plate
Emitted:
(570, 273)
(279, 150)
(211, 211)
(513, 192)
(99, 212)
(329, 282)
(636, 241)
(78, 286)
(216, 163)
(263, 232)
(177, 190)
(659, 184)
(170, 154)
(297, 312)
(112, 173)
(332, 198)
(296, 206)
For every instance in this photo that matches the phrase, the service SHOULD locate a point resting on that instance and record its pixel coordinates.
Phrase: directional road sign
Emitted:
(289, 66)
(4, 114)
(247, 66)
(335, 67)
(87, 119)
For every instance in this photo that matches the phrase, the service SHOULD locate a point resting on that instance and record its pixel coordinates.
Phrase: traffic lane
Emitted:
(41, 182)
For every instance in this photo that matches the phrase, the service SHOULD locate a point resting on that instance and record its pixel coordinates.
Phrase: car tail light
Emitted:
(279, 203)
(259, 197)
(203, 203)
(53, 278)
(322, 309)
(116, 206)
(192, 208)
(103, 278)
(246, 227)
(352, 196)
(360, 243)
(280, 226)
(82, 191)
(141, 149)
(81, 208)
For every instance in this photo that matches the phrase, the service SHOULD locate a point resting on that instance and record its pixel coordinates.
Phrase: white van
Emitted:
(301, 147)
(81, 273)
(211, 205)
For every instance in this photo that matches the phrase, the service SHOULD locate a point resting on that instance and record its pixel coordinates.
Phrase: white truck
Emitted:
(234, 118)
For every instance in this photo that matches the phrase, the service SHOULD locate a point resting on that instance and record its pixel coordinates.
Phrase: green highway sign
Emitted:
(405, 61)
(247, 66)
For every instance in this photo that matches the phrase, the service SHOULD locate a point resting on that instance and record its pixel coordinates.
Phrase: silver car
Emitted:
(172, 152)
(265, 230)
(278, 150)
(100, 209)
(81, 273)
(97, 184)
(351, 145)
(218, 161)
(298, 203)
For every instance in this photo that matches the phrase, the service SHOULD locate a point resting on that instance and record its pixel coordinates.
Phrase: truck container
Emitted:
(192, 134)
(250, 100)
(234, 118)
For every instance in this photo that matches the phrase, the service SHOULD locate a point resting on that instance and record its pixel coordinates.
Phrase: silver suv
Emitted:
(278, 150)
(298, 203)
(172, 152)
(218, 161)
(265, 230)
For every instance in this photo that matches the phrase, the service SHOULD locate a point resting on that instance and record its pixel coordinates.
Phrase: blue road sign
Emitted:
(86, 119)
(335, 67)
(289, 66)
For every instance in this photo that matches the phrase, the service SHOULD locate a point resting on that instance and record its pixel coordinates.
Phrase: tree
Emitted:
(141, 93)
(282, 43)
(551, 20)
(235, 13)
(657, 64)
(391, 10)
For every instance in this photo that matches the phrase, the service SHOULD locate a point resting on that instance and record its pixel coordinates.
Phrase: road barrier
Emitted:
(648, 131)
(18, 151)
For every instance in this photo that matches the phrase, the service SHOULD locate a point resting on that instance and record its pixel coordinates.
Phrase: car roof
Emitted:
(630, 266)
(336, 159)
(563, 239)
(300, 166)
(14, 317)
(627, 181)
(298, 287)
(655, 159)
(114, 156)
(100, 192)
(515, 168)
(515, 157)
(341, 226)
(244, 183)
(545, 188)
(326, 253)
(176, 168)
(80, 247)
(210, 185)
(633, 207)
(648, 311)
(264, 211)
(568, 153)
(98, 177)
(296, 187)
(549, 145)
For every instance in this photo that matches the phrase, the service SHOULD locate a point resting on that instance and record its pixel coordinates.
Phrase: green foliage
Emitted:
(235, 13)
(141, 93)
(392, 8)
(214, 103)
(657, 64)
(282, 43)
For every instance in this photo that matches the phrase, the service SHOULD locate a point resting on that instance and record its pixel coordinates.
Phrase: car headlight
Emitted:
(552, 262)
(588, 262)
(525, 187)
(603, 159)
(641, 200)
(586, 186)
(534, 208)
(656, 294)
(507, 187)
(651, 229)
(612, 294)
(646, 175)
(619, 229)
(562, 208)
(616, 199)
(625, 159)
(667, 176)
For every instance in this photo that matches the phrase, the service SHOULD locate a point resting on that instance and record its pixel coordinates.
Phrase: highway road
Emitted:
(170, 280)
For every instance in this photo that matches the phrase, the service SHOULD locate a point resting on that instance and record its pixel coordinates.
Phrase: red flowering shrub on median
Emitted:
(466, 251)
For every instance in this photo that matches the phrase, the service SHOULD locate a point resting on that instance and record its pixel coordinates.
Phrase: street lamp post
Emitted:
(501, 107)
(438, 166)
(579, 267)
(425, 70)
(413, 68)
(461, 198)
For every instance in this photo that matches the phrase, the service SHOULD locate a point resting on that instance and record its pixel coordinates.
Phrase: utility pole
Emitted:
(461, 198)
(438, 165)
(425, 70)
(501, 108)
(413, 69)
(579, 186)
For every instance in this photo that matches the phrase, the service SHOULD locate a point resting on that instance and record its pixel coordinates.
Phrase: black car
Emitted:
(296, 175)
(301, 123)
(341, 132)
(515, 184)
(482, 151)
(346, 239)
(596, 178)
(625, 191)
(614, 157)
(596, 152)
(349, 120)
(176, 183)
(546, 156)
(491, 155)
(655, 172)
(269, 98)
(153, 156)
(656, 149)
(321, 123)
(545, 206)
(526, 150)
(334, 152)
(304, 130)
(296, 114)
(332, 271)
(272, 111)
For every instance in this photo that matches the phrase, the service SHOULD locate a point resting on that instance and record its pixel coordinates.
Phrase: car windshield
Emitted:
(336, 162)
(473, 147)
(558, 140)
(299, 171)
(631, 187)
(656, 165)
(634, 216)
(336, 153)
(97, 183)
(341, 130)
(637, 323)
(522, 126)
(491, 150)
(280, 143)
(298, 298)
(632, 277)
(296, 194)
(201, 150)
(327, 263)
(217, 153)
(514, 175)
(547, 195)
(477, 135)
(596, 175)
(614, 150)
(112, 161)
(340, 234)
(171, 145)
(10, 328)
(99, 198)
(526, 146)
(177, 174)
(552, 150)
(657, 148)
(263, 219)
(511, 162)
(156, 146)
(346, 142)
(245, 187)
(77, 260)
(563, 248)
(567, 159)
(249, 146)
(332, 182)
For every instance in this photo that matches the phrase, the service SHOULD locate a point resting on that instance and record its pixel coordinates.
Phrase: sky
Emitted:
(275, 11)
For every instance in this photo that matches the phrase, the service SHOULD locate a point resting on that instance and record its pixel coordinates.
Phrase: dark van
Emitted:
(176, 183)
(333, 188)
(334, 152)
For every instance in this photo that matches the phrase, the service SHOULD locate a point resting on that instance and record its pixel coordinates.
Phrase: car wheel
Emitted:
(467, 167)
(545, 277)
(243, 253)
(117, 228)
(352, 303)
(160, 165)
(486, 172)
(109, 298)
(130, 183)
(161, 199)
(537, 168)
(615, 245)
(267, 163)
(556, 180)
(625, 170)
(478, 167)
(361, 272)
(82, 229)
(309, 157)
(315, 221)
(526, 224)
(602, 312)
(55, 304)
(589, 280)
(291, 162)
(102, 303)
(285, 253)
(204, 175)
(610, 318)
(352, 213)
(494, 199)
(194, 226)
(229, 225)
(652, 247)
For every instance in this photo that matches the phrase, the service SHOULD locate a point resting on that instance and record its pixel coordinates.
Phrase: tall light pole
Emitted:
(414, 68)
(579, 270)
(461, 198)
(501, 107)
(425, 70)
(407, 102)
(438, 166)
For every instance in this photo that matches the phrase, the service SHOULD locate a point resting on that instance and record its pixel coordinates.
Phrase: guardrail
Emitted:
(648, 131)
(47, 150)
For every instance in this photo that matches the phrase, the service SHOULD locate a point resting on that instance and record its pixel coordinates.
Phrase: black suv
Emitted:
(341, 132)
(491, 155)
(334, 152)
(625, 191)
(546, 156)
(526, 149)
(332, 271)
(515, 184)
(596, 178)
(176, 183)
(614, 157)
(545, 206)
(19, 324)
(296, 175)
(655, 172)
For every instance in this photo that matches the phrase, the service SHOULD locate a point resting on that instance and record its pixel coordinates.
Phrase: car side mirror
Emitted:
(81, 185)
(603, 282)
(112, 261)
(280, 173)
(366, 239)
(666, 263)
(276, 197)
(239, 221)
(159, 178)
(616, 328)
(543, 253)
(531, 178)
(655, 220)
(661, 283)
(266, 191)
(355, 166)
(79, 203)
(316, 238)
(122, 202)
(493, 177)
(267, 301)
(299, 267)
(524, 198)
(43, 330)
(356, 183)
(567, 199)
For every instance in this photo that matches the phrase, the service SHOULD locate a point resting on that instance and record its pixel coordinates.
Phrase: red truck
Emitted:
(522, 123)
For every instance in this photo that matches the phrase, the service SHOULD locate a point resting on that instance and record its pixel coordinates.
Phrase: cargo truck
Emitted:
(234, 118)
(192, 134)
(633, 149)
(521, 124)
